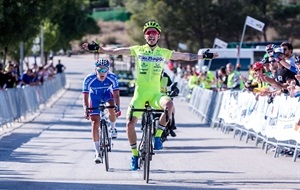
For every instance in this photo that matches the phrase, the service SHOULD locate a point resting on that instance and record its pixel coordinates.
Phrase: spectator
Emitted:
(132, 63)
(2, 77)
(281, 74)
(11, 76)
(298, 66)
(17, 71)
(50, 69)
(35, 78)
(221, 79)
(193, 81)
(288, 53)
(171, 65)
(40, 74)
(261, 84)
(26, 78)
(234, 81)
(180, 70)
(59, 68)
(206, 78)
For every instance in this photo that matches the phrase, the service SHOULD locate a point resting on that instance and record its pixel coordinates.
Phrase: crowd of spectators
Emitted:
(12, 77)
(278, 72)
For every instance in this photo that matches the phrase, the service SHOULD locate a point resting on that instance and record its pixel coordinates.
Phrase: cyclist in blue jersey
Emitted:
(97, 86)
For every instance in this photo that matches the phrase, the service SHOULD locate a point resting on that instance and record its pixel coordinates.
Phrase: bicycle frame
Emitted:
(146, 145)
(105, 139)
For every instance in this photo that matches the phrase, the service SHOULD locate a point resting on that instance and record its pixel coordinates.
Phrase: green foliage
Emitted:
(118, 14)
(73, 23)
(196, 23)
(99, 3)
(117, 3)
(63, 21)
(288, 18)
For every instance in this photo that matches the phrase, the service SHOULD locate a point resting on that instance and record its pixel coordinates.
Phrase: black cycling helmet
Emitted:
(152, 24)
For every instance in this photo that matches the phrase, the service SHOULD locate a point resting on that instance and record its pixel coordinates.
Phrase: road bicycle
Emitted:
(173, 91)
(145, 147)
(105, 137)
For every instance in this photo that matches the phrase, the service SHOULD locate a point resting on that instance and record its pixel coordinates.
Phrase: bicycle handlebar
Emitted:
(101, 107)
(147, 108)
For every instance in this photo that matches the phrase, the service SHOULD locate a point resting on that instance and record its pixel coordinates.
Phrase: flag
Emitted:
(256, 24)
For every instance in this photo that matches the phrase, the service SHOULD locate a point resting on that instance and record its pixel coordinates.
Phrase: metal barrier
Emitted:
(19, 102)
(241, 113)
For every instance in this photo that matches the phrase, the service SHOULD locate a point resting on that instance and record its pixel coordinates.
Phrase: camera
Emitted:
(270, 99)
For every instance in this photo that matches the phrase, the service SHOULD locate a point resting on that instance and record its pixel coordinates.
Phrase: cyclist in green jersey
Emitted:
(150, 60)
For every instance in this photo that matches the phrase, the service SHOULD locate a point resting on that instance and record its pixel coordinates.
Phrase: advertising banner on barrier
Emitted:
(251, 118)
(274, 120)
(229, 108)
(282, 117)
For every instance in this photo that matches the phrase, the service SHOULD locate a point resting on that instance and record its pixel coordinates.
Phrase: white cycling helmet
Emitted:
(204, 68)
(279, 50)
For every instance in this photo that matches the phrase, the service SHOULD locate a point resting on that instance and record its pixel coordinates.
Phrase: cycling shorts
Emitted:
(141, 96)
(96, 100)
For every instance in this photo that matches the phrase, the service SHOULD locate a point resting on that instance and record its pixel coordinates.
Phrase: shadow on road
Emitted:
(12, 185)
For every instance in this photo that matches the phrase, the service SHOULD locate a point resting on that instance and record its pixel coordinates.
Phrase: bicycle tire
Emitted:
(101, 143)
(105, 141)
(148, 150)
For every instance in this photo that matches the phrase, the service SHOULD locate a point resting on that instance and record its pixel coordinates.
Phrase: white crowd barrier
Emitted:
(273, 124)
(19, 102)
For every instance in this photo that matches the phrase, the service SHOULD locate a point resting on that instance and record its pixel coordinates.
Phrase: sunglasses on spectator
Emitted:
(284, 49)
(102, 70)
(151, 32)
(270, 51)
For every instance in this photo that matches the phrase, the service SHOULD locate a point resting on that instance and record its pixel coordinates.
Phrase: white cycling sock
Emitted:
(97, 147)
(113, 125)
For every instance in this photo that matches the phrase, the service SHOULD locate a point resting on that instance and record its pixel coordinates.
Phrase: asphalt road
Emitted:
(52, 150)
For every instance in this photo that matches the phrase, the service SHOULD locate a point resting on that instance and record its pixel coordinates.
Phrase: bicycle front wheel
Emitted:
(105, 146)
(148, 155)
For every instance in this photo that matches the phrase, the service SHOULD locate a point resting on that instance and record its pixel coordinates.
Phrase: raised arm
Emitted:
(94, 47)
(284, 63)
(192, 56)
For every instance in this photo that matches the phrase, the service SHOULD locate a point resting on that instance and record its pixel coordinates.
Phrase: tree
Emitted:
(15, 18)
(287, 22)
(73, 21)
(196, 23)
(63, 21)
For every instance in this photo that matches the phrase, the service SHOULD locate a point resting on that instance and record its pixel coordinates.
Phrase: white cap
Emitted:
(204, 68)
(279, 50)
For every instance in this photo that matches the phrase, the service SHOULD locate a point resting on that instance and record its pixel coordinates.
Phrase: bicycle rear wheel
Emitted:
(148, 155)
(105, 146)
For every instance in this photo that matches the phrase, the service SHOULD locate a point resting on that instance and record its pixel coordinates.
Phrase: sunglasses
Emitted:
(284, 49)
(151, 32)
(102, 70)
(270, 51)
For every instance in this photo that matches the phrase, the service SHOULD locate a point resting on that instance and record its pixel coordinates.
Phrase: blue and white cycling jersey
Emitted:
(99, 90)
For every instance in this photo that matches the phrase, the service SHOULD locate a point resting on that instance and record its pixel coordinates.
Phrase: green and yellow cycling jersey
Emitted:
(149, 64)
